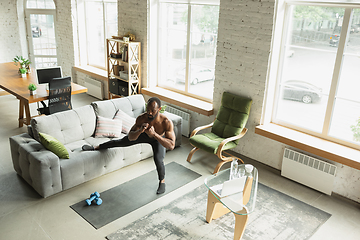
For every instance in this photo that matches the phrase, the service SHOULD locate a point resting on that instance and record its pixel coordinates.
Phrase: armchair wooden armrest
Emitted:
(196, 130)
(225, 141)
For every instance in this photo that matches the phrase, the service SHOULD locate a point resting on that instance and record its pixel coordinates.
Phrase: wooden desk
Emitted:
(12, 82)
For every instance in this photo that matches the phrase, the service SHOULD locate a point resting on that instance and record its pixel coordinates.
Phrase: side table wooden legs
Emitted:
(240, 224)
(215, 208)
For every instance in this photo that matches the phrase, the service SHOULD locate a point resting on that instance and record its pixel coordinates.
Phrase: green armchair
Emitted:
(226, 130)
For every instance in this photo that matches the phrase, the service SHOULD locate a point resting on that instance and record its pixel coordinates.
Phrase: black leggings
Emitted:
(158, 149)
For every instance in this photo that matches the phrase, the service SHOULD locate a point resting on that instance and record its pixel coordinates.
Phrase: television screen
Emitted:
(44, 75)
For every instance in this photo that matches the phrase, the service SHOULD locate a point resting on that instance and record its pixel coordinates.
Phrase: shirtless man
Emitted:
(151, 127)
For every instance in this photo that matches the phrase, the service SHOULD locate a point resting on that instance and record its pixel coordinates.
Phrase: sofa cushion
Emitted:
(53, 145)
(67, 126)
(86, 165)
(132, 106)
(127, 121)
(107, 127)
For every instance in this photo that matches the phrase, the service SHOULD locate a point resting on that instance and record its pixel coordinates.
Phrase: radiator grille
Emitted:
(95, 87)
(186, 119)
(310, 161)
(309, 171)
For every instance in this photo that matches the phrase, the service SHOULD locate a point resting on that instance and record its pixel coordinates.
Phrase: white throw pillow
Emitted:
(127, 121)
(106, 127)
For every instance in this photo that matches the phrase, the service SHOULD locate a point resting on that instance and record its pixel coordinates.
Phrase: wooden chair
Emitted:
(226, 130)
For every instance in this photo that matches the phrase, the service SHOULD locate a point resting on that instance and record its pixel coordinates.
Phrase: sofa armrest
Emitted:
(177, 122)
(38, 166)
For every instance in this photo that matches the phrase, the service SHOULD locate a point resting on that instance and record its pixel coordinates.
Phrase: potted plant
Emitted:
(24, 63)
(32, 87)
(23, 72)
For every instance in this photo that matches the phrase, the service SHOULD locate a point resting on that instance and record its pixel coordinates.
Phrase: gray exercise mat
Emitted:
(131, 195)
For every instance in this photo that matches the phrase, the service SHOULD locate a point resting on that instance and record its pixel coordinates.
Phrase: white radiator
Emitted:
(95, 87)
(309, 171)
(185, 122)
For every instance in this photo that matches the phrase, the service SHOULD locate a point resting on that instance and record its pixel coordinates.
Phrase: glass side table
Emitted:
(237, 196)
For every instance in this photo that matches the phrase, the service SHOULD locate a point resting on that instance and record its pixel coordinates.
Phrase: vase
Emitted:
(23, 75)
(33, 92)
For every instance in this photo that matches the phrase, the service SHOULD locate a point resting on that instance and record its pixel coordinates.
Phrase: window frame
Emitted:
(40, 11)
(83, 34)
(273, 90)
(156, 73)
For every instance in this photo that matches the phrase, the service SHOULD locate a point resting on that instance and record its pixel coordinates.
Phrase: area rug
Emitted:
(277, 216)
(129, 196)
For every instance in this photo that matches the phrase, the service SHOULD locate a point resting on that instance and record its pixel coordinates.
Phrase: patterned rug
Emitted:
(277, 216)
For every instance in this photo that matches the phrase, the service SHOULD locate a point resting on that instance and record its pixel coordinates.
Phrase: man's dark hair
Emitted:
(154, 99)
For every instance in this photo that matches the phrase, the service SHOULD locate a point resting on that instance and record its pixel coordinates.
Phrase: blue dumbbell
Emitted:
(98, 201)
(93, 196)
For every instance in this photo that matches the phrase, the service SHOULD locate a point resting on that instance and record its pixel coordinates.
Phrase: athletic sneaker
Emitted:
(88, 148)
(161, 188)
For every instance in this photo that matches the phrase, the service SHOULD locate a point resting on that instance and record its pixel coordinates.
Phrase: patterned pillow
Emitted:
(53, 145)
(127, 121)
(106, 127)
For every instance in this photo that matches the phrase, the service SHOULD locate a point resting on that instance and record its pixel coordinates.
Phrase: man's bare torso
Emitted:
(160, 126)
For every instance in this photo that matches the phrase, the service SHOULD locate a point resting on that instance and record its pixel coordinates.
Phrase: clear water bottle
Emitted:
(248, 170)
(234, 169)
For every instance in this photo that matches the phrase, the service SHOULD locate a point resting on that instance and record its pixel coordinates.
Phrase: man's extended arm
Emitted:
(137, 129)
(169, 140)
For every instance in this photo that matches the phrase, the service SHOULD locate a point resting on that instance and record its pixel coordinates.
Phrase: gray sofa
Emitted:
(48, 174)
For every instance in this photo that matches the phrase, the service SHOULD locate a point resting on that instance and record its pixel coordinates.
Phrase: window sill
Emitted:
(318, 146)
(180, 100)
(93, 72)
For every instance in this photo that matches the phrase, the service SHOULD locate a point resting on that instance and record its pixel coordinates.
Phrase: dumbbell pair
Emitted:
(94, 197)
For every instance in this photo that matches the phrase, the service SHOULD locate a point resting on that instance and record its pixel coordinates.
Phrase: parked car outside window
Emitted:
(198, 74)
(301, 91)
(36, 31)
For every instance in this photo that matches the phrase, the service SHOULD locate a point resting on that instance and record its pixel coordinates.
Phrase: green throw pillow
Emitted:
(163, 107)
(52, 144)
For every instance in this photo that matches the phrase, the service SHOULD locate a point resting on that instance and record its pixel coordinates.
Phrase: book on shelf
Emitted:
(125, 54)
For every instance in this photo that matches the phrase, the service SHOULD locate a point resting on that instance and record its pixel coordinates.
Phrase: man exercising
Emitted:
(153, 128)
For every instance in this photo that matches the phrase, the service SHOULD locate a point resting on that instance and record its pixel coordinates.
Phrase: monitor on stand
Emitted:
(44, 75)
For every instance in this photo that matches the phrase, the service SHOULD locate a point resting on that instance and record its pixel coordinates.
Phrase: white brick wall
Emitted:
(9, 31)
(64, 33)
(244, 37)
(133, 19)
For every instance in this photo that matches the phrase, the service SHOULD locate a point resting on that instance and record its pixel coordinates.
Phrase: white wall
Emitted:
(133, 18)
(65, 11)
(10, 45)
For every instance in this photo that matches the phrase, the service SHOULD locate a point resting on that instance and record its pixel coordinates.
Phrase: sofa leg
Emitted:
(192, 153)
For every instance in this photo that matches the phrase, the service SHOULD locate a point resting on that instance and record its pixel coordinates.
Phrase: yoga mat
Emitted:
(131, 195)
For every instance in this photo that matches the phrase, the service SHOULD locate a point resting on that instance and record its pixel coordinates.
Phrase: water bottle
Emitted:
(248, 170)
(234, 169)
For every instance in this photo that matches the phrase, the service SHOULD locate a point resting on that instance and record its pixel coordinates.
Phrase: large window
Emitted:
(97, 21)
(40, 15)
(317, 82)
(187, 48)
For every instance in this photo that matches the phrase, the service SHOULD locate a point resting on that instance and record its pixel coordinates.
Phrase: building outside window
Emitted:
(318, 83)
(98, 20)
(187, 47)
(40, 16)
